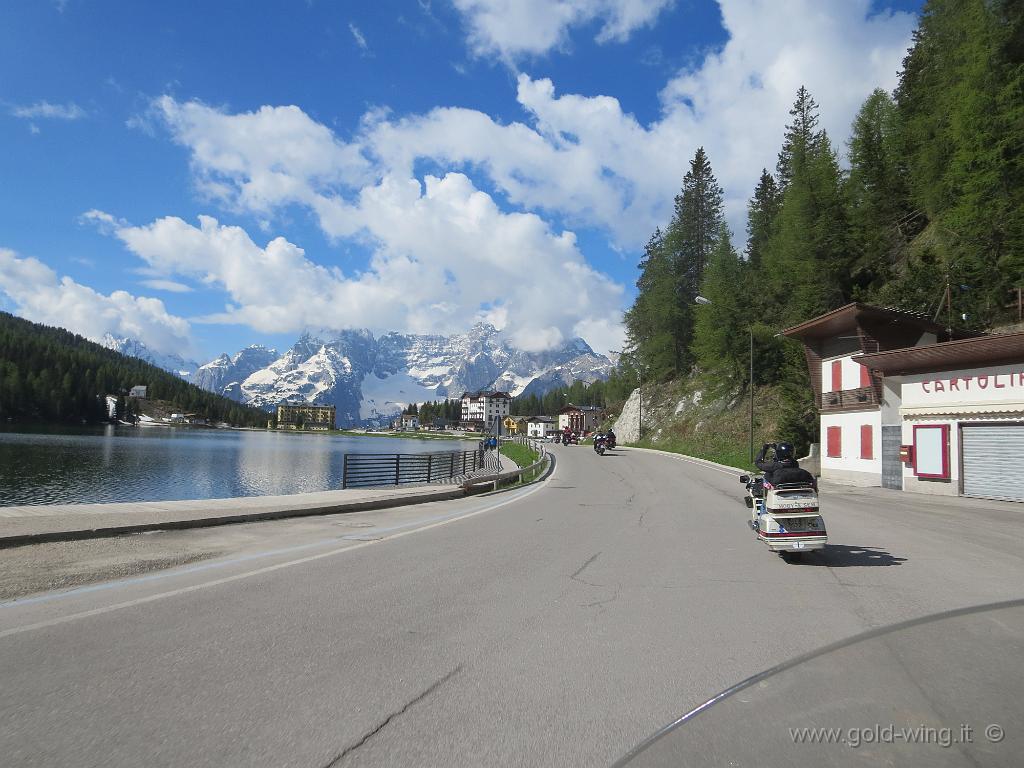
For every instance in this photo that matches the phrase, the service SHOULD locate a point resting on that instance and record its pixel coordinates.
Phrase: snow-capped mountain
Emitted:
(135, 348)
(371, 379)
(224, 375)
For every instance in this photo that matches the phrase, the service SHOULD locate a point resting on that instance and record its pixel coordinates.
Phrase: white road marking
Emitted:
(259, 571)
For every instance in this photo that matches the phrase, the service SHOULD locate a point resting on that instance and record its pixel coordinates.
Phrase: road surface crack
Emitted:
(383, 724)
(583, 567)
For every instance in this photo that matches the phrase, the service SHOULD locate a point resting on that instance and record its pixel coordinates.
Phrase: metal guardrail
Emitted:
(367, 470)
(498, 478)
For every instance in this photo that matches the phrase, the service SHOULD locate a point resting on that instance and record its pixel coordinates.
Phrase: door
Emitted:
(992, 457)
(892, 467)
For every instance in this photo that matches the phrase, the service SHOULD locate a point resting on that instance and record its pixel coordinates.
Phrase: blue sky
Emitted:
(207, 175)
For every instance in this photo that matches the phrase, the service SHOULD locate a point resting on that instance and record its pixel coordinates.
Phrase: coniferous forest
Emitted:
(49, 375)
(933, 196)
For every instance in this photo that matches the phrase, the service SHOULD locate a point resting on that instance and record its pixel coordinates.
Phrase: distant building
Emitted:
(481, 409)
(540, 426)
(406, 423)
(111, 406)
(305, 416)
(514, 425)
(138, 390)
(580, 418)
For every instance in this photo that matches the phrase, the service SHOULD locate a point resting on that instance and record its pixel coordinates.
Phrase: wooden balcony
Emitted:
(849, 399)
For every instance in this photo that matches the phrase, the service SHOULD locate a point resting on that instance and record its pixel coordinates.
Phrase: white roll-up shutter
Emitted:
(993, 456)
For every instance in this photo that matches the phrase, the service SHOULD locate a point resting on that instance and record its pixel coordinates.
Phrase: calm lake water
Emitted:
(110, 463)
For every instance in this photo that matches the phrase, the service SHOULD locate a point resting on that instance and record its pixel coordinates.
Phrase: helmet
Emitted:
(784, 451)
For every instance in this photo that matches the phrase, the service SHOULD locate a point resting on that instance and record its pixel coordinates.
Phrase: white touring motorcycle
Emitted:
(785, 517)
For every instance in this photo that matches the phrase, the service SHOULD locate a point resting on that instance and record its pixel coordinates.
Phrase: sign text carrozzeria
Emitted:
(997, 384)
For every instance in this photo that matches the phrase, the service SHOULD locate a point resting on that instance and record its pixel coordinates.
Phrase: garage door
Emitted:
(993, 457)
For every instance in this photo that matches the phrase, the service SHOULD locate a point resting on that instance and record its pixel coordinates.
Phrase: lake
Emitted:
(104, 464)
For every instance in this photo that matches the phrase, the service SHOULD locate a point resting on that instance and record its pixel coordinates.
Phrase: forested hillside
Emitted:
(928, 217)
(52, 375)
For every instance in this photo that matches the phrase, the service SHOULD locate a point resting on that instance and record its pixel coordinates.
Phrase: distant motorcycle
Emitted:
(601, 444)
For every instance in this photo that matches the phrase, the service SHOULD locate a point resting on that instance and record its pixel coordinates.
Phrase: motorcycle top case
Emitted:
(797, 499)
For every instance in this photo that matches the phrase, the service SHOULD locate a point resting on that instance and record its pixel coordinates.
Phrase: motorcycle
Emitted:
(785, 517)
(600, 444)
(611, 439)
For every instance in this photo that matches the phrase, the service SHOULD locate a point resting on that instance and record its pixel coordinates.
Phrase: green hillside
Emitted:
(49, 375)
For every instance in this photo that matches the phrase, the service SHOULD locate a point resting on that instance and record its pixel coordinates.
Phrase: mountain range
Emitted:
(369, 379)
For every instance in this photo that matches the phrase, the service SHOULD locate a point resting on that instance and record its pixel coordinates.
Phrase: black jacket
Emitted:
(785, 471)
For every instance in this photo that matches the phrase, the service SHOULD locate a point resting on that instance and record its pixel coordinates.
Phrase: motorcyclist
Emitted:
(610, 436)
(783, 468)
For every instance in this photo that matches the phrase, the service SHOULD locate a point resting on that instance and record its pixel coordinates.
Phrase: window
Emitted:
(931, 451)
(865, 376)
(867, 442)
(837, 375)
(834, 442)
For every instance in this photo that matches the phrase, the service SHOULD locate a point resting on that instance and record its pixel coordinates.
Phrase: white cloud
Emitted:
(44, 109)
(513, 28)
(578, 157)
(170, 286)
(258, 160)
(447, 256)
(358, 36)
(38, 294)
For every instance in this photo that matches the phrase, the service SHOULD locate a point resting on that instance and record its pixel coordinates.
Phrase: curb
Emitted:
(692, 459)
(227, 519)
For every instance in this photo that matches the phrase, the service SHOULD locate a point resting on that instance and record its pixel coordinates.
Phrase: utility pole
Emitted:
(751, 329)
(949, 311)
(640, 392)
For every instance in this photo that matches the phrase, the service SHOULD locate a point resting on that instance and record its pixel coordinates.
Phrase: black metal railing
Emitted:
(367, 470)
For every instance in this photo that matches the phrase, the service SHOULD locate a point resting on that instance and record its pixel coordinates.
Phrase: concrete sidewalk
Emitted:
(63, 522)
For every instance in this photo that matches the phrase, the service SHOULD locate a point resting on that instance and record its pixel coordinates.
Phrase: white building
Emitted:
(111, 406)
(959, 406)
(481, 409)
(582, 419)
(855, 415)
(138, 391)
(540, 427)
(406, 423)
(901, 409)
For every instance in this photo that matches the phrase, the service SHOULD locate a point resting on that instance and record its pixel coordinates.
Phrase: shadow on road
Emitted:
(842, 556)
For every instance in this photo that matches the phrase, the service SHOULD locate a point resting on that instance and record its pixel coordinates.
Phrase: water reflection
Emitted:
(85, 466)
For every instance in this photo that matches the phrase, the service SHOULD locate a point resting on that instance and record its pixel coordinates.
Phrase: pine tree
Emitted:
(652, 322)
(762, 217)
(721, 330)
(806, 267)
(960, 99)
(802, 138)
(876, 189)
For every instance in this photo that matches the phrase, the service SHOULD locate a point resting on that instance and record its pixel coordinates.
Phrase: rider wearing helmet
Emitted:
(783, 468)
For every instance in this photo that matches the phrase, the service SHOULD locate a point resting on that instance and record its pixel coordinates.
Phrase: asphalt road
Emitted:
(553, 626)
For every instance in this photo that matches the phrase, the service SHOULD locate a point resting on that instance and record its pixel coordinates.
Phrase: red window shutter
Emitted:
(837, 375)
(866, 442)
(835, 442)
(865, 376)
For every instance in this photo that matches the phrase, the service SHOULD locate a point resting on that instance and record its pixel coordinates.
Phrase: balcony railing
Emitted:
(848, 398)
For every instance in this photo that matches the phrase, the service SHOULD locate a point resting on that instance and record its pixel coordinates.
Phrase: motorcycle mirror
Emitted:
(744, 478)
